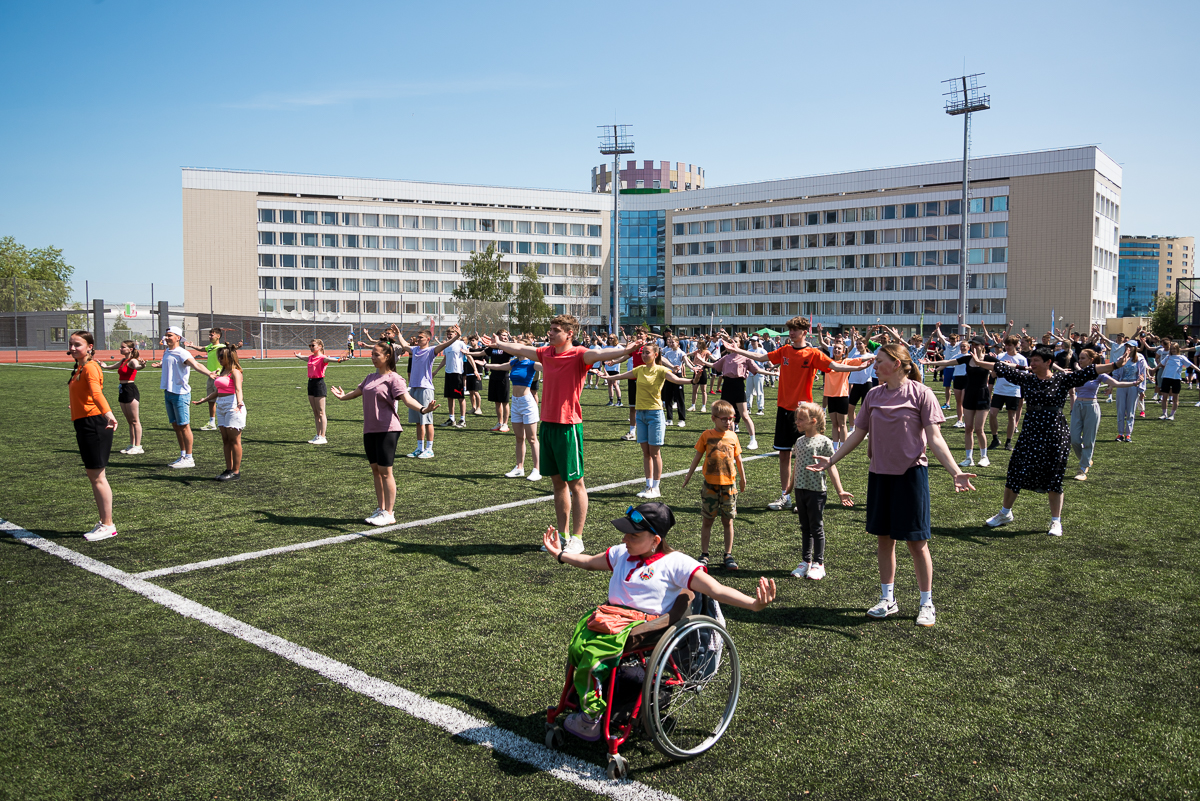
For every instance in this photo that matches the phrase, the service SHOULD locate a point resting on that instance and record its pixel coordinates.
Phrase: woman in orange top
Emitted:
(837, 393)
(95, 425)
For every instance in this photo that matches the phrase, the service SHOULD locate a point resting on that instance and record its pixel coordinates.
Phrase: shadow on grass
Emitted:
(329, 523)
(979, 535)
(454, 554)
(833, 620)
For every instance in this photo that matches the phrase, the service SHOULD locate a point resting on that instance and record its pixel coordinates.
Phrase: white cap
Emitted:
(176, 330)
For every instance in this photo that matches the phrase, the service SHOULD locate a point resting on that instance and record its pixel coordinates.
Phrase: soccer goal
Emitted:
(296, 336)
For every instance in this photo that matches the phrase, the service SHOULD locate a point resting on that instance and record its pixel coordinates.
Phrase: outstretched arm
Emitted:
(511, 348)
(764, 593)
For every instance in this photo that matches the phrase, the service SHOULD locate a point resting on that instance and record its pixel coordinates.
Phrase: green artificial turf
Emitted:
(1058, 668)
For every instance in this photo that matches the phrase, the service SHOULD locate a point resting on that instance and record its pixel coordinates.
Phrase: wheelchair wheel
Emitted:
(691, 688)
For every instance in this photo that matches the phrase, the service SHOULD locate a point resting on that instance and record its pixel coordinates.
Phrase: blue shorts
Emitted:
(179, 408)
(948, 377)
(651, 425)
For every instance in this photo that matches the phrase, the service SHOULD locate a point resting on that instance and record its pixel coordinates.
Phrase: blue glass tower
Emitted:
(643, 267)
(1137, 278)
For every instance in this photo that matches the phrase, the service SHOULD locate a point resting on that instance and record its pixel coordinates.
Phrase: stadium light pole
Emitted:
(965, 96)
(615, 142)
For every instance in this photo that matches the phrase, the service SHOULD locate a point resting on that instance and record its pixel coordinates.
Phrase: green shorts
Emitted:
(718, 500)
(562, 450)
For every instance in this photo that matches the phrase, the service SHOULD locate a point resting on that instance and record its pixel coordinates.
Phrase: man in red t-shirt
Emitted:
(564, 369)
(798, 366)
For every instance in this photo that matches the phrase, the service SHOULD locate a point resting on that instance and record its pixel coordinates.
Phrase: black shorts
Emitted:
(960, 382)
(785, 429)
(471, 383)
(95, 439)
(898, 506)
(128, 393)
(839, 405)
(381, 447)
(733, 389)
(453, 388)
(498, 387)
(858, 392)
(977, 401)
(1171, 386)
(316, 388)
(703, 378)
(630, 392)
(1009, 402)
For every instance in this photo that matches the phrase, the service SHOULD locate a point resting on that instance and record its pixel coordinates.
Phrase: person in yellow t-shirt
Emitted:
(722, 455)
(650, 421)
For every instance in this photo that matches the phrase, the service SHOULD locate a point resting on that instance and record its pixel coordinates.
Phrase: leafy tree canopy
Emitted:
(1163, 322)
(531, 312)
(484, 278)
(42, 278)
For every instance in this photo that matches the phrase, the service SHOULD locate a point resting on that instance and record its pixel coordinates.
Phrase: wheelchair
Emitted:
(679, 676)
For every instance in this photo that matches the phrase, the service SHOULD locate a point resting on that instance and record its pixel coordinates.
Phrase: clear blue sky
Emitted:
(105, 101)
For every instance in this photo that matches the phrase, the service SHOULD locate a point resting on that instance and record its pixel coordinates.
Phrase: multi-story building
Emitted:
(846, 249)
(1149, 265)
(377, 250)
(650, 179)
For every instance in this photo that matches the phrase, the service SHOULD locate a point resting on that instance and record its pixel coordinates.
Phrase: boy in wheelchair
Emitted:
(648, 577)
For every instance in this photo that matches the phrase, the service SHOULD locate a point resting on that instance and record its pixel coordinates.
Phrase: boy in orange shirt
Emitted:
(722, 454)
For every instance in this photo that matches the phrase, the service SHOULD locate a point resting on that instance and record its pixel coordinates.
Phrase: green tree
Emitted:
(33, 280)
(1163, 322)
(485, 278)
(531, 312)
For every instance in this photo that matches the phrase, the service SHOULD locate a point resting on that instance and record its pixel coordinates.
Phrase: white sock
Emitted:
(983, 453)
(786, 497)
(429, 445)
(212, 421)
(1005, 510)
(926, 597)
(654, 483)
(183, 454)
(970, 453)
(633, 429)
(420, 445)
(1056, 519)
(887, 592)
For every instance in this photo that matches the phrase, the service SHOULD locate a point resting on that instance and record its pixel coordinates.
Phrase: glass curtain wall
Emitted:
(643, 267)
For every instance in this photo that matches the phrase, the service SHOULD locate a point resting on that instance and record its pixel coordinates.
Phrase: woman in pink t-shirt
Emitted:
(902, 416)
(316, 385)
(381, 425)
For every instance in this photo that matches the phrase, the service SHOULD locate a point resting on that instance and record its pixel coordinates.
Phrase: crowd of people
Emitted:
(873, 389)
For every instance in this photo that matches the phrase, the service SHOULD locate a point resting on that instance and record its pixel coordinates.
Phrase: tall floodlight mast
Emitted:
(615, 141)
(964, 97)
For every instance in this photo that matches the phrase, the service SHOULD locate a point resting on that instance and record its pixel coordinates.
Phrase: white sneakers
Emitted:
(1055, 528)
(628, 436)
(927, 616)
(985, 462)
(778, 505)
(132, 450)
(516, 472)
(318, 441)
(417, 452)
(692, 408)
(534, 476)
(574, 545)
(683, 423)
(968, 462)
(704, 408)
(960, 424)
(817, 571)
(801, 570)
(650, 492)
(183, 462)
(209, 426)
(885, 608)
(100, 532)
(999, 519)
(425, 454)
(760, 412)
(753, 445)
(381, 518)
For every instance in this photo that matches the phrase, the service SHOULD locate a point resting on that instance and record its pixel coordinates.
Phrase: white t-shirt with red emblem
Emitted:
(649, 585)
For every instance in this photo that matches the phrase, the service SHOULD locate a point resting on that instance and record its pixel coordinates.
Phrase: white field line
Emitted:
(302, 546)
(592, 778)
(37, 366)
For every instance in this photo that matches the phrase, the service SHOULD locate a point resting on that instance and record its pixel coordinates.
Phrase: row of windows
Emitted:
(903, 211)
(844, 308)
(372, 242)
(1108, 208)
(309, 284)
(851, 261)
(889, 283)
(887, 236)
(371, 263)
(393, 307)
(357, 220)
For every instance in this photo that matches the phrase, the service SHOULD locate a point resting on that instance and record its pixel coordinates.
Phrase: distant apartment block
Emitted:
(1149, 265)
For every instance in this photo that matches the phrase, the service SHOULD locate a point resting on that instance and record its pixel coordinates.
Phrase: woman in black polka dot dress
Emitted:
(1039, 459)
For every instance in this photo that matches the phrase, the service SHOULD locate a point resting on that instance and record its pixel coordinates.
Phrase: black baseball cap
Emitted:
(978, 340)
(655, 517)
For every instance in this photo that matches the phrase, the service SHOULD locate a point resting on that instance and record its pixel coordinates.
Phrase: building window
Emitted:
(287, 260)
(349, 284)
(266, 215)
(266, 260)
(329, 218)
(329, 240)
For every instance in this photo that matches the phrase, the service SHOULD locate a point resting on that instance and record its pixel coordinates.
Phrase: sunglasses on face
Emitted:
(640, 519)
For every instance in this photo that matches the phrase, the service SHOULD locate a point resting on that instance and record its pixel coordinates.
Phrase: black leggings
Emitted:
(673, 395)
(810, 508)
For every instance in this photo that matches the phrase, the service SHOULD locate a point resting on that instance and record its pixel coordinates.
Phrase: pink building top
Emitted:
(666, 176)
